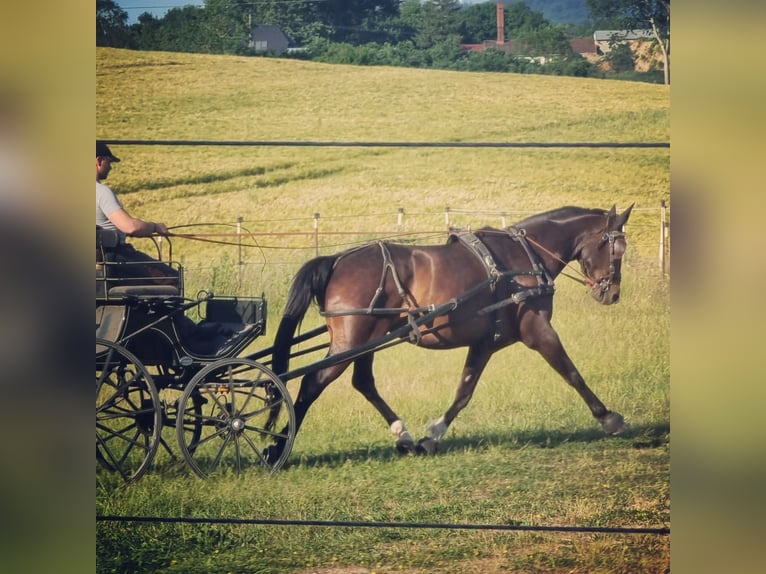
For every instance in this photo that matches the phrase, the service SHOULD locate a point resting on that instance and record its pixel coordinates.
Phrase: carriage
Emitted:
(156, 368)
(163, 377)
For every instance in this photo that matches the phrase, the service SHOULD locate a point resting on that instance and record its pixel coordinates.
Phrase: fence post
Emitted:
(446, 216)
(663, 230)
(502, 220)
(316, 233)
(399, 216)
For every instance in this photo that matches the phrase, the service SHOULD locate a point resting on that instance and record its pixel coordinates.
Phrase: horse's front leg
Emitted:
(544, 339)
(477, 359)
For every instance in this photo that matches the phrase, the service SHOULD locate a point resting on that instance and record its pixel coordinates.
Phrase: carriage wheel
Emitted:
(128, 414)
(170, 399)
(245, 410)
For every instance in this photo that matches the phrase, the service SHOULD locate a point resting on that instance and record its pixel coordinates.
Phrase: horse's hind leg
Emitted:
(312, 386)
(363, 381)
(547, 342)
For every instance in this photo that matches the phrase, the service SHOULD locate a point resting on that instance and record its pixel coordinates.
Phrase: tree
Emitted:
(180, 30)
(636, 14)
(477, 22)
(111, 25)
(621, 58)
(545, 41)
(436, 22)
(225, 24)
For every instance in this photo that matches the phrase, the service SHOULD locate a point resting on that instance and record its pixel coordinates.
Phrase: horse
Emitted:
(484, 290)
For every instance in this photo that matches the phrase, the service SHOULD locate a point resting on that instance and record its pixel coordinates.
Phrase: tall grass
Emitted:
(526, 450)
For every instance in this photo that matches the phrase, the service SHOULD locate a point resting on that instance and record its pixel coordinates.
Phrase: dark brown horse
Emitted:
(484, 290)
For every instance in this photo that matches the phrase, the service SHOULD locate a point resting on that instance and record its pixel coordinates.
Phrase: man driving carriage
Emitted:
(110, 214)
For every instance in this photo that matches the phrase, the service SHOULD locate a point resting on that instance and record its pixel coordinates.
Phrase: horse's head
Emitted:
(601, 258)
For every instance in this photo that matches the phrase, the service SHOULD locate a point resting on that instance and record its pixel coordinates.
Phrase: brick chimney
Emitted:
(500, 23)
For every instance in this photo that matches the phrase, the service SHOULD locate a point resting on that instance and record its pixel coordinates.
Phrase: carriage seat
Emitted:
(110, 285)
(230, 324)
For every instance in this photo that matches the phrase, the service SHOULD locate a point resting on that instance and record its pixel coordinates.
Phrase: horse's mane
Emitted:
(559, 215)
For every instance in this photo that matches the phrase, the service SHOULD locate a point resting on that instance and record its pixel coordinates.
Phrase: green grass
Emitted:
(526, 450)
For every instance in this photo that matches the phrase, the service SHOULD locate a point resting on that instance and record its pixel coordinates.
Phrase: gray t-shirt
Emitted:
(106, 204)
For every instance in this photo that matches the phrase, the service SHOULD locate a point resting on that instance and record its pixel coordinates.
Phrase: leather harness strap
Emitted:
(477, 247)
(544, 286)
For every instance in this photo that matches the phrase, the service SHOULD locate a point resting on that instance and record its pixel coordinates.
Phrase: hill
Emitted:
(174, 96)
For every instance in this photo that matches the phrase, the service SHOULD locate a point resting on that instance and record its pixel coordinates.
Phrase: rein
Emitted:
(205, 240)
(583, 279)
(194, 237)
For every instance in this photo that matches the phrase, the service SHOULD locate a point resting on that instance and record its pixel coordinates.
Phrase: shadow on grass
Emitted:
(652, 435)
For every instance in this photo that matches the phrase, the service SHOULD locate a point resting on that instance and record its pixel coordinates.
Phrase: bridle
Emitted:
(606, 282)
(602, 284)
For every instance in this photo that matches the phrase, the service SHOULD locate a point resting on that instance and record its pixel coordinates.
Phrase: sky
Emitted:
(156, 8)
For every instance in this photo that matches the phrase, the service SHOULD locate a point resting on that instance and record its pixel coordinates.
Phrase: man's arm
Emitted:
(135, 227)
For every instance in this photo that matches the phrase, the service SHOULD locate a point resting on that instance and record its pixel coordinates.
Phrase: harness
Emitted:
(545, 285)
(495, 277)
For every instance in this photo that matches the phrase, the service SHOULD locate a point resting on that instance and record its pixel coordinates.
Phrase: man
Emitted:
(110, 214)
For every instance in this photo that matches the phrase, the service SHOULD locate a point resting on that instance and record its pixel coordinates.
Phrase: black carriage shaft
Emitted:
(372, 346)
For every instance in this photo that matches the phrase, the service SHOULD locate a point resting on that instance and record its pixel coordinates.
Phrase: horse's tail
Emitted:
(309, 284)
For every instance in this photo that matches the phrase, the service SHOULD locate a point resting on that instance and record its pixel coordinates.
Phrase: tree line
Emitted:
(412, 33)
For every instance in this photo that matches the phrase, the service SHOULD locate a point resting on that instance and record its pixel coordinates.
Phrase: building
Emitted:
(605, 39)
(269, 39)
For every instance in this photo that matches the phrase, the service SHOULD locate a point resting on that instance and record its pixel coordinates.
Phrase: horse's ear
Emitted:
(616, 222)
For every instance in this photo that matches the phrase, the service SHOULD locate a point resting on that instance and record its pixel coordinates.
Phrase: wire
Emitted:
(662, 531)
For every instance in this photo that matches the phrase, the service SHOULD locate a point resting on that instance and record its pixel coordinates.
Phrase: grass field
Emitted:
(526, 451)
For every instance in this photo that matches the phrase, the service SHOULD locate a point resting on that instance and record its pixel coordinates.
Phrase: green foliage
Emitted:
(368, 32)
(544, 41)
(621, 58)
(111, 25)
(634, 14)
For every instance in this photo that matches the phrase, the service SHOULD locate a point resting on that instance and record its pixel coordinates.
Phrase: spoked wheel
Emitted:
(246, 412)
(170, 400)
(128, 415)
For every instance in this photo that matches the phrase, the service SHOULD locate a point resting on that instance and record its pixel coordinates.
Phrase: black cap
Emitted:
(102, 150)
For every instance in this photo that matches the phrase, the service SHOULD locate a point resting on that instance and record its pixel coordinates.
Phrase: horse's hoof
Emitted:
(405, 446)
(427, 446)
(613, 423)
(271, 454)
